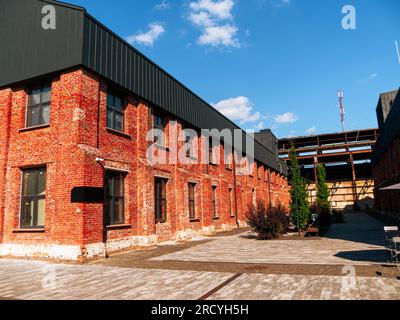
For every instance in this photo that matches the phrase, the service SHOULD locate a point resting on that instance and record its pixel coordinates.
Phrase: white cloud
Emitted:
(374, 75)
(218, 36)
(311, 130)
(220, 9)
(163, 5)
(259, 126)
(238, 109)
(214, 18)
(287, 117)
(201, 19)
(156, 30)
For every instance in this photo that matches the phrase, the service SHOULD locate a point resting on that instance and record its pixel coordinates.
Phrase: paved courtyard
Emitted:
(228, 267)
(357, 242)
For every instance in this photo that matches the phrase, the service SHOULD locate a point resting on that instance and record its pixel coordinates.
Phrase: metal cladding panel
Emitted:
(390, 129)
(28, 50)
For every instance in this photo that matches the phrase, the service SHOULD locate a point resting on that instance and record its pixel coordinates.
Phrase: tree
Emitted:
(299, 207)
(322, 200)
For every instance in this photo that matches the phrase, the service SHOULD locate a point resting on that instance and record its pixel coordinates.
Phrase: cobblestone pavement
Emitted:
(24, 280)
(31, 280)
(296, 287)
(359, 241)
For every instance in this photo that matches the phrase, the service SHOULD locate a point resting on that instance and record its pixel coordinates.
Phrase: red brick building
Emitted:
(76, 179)
(386, 156)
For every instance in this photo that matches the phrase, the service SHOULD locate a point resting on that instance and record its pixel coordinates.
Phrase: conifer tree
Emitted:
(300, 207)
(322, 200)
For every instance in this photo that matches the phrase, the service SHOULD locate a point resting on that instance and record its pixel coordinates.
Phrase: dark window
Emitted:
(33, 200)
(192, 210)
(230, 202)
(226, 155)
(188, 145)
(228, 159)
(115, 110)
(161, 199)
(114, 200)
(210, 151)
(38, 108)
(189, 142)
(214, 202)
(159, 124)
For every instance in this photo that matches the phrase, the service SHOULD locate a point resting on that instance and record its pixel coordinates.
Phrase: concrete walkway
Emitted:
(359, 241)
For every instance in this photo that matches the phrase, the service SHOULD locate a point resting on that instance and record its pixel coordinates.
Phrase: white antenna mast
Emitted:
(341, 108)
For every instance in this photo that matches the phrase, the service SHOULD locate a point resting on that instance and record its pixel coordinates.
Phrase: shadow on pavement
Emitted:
(359, 227)
(377, 256)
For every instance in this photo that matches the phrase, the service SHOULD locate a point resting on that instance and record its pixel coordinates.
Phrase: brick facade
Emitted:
(69, 146)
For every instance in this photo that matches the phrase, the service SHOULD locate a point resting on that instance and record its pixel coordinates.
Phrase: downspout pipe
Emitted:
(235, 189)
(100, 162)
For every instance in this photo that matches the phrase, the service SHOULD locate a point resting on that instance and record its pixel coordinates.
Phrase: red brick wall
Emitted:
(77, 135)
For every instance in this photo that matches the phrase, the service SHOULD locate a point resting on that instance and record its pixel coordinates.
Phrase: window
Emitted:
(160, 124)
(38, 108)
(161, 199)
(189, 146)
(115, 110)
(33, 199)
(230, 202)
(227, 155)
(192, 210)
(210, 151)
(260, 171)
(214, 202)
(114, 202)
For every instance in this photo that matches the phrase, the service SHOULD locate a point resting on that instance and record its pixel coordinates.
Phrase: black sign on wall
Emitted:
(87, 195)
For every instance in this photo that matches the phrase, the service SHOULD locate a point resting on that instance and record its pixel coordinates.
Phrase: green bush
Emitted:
(267, 226)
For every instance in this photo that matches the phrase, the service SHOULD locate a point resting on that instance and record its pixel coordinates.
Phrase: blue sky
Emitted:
(269, 63)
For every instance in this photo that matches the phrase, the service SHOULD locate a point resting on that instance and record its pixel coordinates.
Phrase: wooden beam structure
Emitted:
(347, 159)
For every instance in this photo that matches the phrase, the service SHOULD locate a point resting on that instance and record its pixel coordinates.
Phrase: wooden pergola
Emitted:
(337, 150)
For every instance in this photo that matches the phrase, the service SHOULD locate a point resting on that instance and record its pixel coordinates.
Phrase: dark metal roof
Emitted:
(27, 50)
(81, 40)
(267, 139)
(388, 131)
(384, 105)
